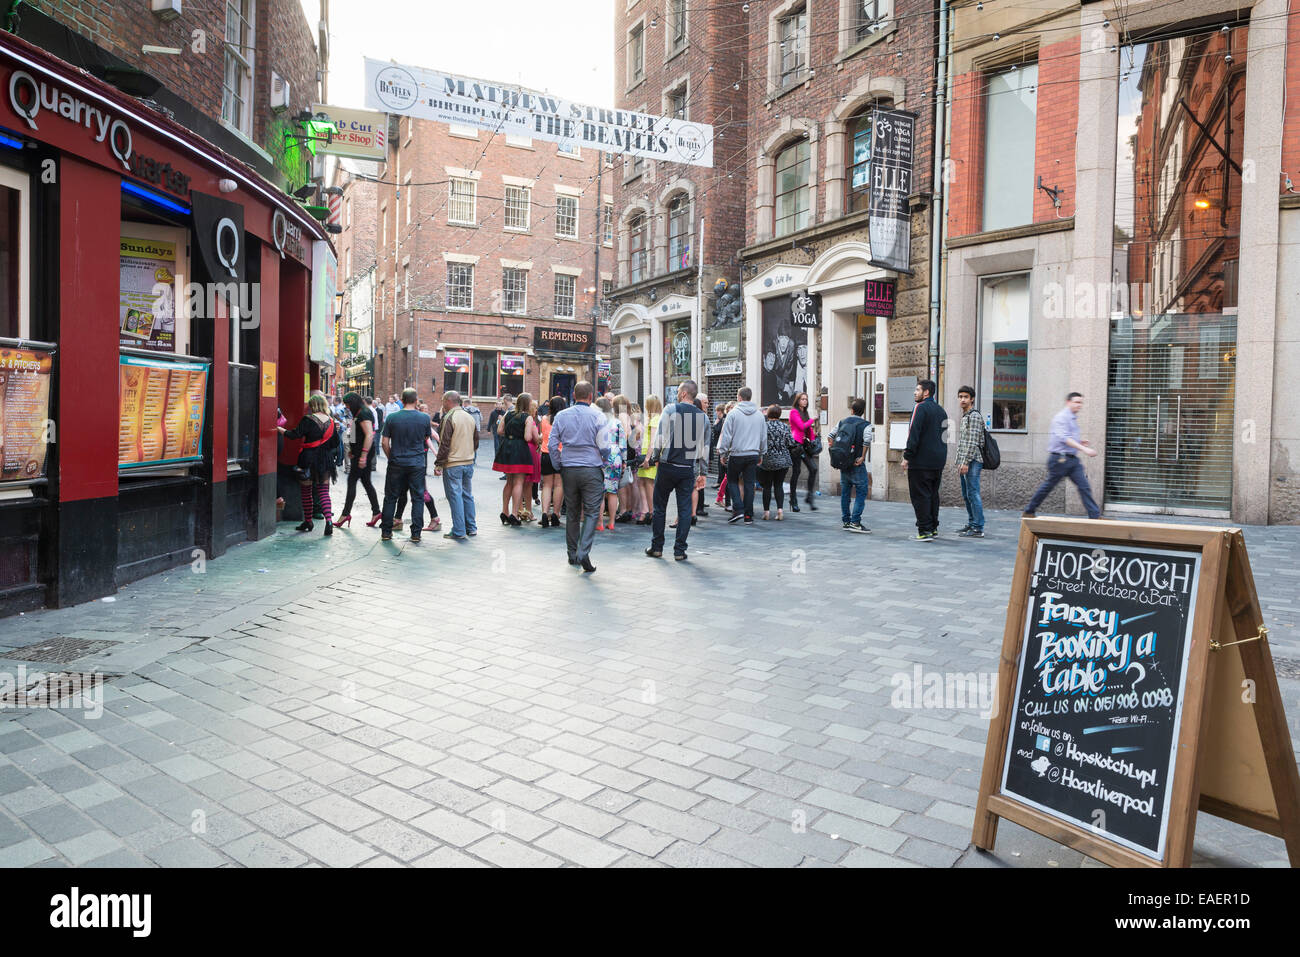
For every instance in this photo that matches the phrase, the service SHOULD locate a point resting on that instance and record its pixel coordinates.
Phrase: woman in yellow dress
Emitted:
(645, 477)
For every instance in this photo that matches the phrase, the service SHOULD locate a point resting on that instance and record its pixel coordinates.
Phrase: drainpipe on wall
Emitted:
(940, 185)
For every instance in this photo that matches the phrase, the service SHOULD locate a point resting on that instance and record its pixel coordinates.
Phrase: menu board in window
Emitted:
(24, 413)
(147, 295)
(162, 405)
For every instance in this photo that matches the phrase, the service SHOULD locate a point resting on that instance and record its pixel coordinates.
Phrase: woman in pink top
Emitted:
(802, 427)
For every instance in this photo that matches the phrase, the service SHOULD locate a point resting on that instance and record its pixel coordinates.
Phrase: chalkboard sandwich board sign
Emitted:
(1135, 686)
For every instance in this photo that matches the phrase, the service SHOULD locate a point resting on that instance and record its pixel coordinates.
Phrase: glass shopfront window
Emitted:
(1173, 337)
(1004, 351)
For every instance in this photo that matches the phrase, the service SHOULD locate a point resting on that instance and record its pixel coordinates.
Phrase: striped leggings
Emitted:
(321, 492)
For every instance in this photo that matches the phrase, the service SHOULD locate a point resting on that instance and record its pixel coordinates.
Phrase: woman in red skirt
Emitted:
(515, 456)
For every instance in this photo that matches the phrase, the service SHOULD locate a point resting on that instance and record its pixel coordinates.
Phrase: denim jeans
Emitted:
(399, 477)
(849, 479)
(458, 484)
(741, 470)
(1065, 466)
(970, 494)
(669, 479)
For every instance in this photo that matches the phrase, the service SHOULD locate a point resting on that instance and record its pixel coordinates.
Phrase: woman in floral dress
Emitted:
(613, 464)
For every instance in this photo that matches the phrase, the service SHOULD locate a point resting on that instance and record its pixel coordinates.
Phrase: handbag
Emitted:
(811, 447)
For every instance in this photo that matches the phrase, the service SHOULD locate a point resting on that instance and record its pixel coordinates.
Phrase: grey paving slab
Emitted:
(738, 737)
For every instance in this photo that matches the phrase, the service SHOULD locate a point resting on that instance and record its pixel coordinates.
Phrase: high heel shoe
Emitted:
(329, 527)
(513, 520)
(306, 526)
(343, 520)
(434, 525)
(505, 519)
(375, 520)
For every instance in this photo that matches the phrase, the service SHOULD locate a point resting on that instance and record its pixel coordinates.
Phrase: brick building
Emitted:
(682, 60)
(233, 56)
(489, 265)
(1141, 268)
(816, 70)
(358, 267)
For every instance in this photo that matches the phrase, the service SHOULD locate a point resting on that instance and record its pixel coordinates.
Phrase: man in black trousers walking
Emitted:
(924, 459)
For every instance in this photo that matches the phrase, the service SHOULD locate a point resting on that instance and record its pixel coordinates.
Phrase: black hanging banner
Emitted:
(889, 221)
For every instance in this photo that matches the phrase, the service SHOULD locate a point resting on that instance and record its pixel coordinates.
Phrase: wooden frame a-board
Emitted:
(1213, 737)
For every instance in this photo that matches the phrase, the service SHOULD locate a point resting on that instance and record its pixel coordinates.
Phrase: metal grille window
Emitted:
(518, 199)
(637, 247)
(564, 296)
(1004, 351)
(859, 162)
(514, 289)
(566, 217)
(679, 232)
(793, 199)
(237, 82)
(460, 286)
(793, 34)
(461, 204)
(606, 287)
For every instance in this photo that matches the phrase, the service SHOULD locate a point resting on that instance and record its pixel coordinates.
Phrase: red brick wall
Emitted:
(817, 99)
(1291, 122)
(1054, 139)
(283, 41)
(714, 63)
(431, 149)
(966, 152)
(1058, 123)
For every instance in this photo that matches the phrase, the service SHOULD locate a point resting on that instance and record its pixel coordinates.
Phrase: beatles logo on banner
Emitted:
(889, 222)
(806, 309)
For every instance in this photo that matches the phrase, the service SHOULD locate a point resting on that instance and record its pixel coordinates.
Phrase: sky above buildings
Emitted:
(563, 47)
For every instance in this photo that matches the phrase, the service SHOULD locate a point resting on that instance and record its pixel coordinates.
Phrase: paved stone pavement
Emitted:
(305, 701)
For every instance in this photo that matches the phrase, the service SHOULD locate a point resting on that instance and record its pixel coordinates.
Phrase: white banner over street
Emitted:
(451, 98)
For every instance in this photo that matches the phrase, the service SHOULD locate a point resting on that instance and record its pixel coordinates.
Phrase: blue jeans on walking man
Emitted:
(970, 494)
(1065, 466)
(669, 479)
(855, 477)
(458, 484)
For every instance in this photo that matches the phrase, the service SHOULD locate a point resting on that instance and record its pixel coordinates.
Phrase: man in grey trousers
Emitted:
(579, 446)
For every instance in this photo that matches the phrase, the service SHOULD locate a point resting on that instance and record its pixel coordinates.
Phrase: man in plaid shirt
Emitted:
(970, 461)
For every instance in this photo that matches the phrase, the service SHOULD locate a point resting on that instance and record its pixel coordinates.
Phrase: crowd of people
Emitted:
(601, 462)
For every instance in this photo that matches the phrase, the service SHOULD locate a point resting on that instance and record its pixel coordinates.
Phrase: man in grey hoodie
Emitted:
(741, 445)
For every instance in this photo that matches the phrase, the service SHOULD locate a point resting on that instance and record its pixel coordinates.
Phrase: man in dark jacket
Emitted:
(924, 459)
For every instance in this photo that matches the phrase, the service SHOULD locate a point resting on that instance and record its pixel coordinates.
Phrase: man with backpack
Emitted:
(848, 453)
(970, 462)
